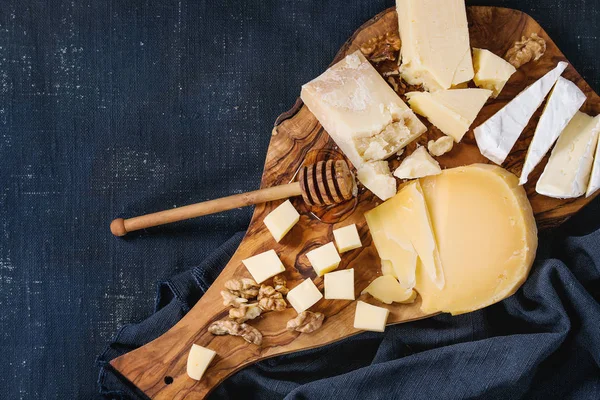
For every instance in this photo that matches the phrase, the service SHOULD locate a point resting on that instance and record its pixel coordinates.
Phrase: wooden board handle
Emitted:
(120, 226)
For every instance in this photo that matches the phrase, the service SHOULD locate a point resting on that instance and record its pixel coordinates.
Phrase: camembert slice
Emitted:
(594, 183)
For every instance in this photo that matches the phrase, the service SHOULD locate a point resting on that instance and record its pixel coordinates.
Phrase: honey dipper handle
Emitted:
(120, 226)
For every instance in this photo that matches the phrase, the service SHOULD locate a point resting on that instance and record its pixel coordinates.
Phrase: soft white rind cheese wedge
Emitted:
(594, 184)
(339, 285)
(264, 265)
(440, 146)
(198, 360)
(567, 173)
(370, 318)
(486, 236)
(377, 177)
(491, 71)
(387, 290)
(435, 43)
(347, 238)
(496, 136)
(361, 112)
(564, 101)
(417, 165)
(452, 111)
(304, 296)
(281, 220)
(324, 259)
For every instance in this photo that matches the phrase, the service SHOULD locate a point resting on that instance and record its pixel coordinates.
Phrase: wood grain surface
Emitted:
(159, 368)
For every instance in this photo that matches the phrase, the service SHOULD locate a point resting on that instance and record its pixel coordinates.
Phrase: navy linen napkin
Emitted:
(541, 343)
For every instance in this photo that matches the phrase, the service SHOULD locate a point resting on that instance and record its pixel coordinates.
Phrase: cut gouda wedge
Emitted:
(486, 236)
(387, 290)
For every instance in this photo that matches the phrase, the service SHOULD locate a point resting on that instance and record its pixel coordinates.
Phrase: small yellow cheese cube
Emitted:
(264, 265)
(281, 220)
(198, 360)
(339, 285)
(304, 296)
(324, 259)
(369, 317)
(347, 238)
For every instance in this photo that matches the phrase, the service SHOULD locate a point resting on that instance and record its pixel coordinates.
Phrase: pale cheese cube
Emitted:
(369, 317)
(264, 265)
(324, 259)
(491, 71)
(339, 285)
(281, 220)
(417, 165)
(347, 238)
(304, 296)
(198, 361)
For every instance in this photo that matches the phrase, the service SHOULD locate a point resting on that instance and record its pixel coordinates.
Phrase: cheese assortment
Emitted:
(281, 220)
(452, 111)
(417, 165)
(497, 136)
(491, 71)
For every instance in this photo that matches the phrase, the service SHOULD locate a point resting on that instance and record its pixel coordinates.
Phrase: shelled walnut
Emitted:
(244, 287)
(230, 327)
(525, 50)
(306, 322)
(280, 284)
(230, 299)
(245, 312)
(381, 48)
(270, 299)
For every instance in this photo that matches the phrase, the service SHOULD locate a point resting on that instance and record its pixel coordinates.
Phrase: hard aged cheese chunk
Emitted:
(281, 220)
(369, 317)
(435, 43)
(387, 290)
(376, 177)
(440, 146)
(339, 285)
(568, 170)
(452, 111)
(417, 165)
(486, 235)
(564, 101)
(387, 268)
(491, 71)
(594, 184)
(347, 238)
(304, 296)
(324, 259)
(264, 265)
(496, 136)
(360, 111)
(198, 360)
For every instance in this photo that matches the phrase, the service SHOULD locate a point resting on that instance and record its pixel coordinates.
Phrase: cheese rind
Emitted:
(435, 43)
(491, 71)
(564, 101)
(281, 220)
(198, 361)
(347, 238)
(496, 136)
(452, 111)
(387, 290)
(417, 165)
(339, 285)
(486, 236)
(264, 265)
(567, 173)
(369, 317)
(304, 296)
(324, 259)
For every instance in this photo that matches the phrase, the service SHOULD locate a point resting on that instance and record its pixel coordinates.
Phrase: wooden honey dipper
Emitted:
(320, 184)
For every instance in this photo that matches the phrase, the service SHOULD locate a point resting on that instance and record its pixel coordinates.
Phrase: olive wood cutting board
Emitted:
(159, 368)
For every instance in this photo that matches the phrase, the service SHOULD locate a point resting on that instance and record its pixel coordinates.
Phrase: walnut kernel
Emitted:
(270, 299)
(230, 299)
(381, 48)
(245, 312)
(230, 327)
(280, 284)
(244, 287)
(306, 322)
(525, 50)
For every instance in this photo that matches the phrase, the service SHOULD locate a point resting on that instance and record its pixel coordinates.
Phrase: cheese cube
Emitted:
(347, 238)
(376, 177)
(369, 317)
(324, 259)
(281, 220)
(491, 71)
(417, 165)
(304, 296)
(339, 285)
(264, 265)
(198, 360)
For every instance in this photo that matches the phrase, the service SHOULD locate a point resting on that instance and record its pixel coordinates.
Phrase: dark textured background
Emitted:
(115, 108)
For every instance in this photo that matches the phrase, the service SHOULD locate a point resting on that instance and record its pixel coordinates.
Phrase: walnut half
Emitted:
(270, 299)
(229, 327)
(280, 284)
(306, 322)
(230, 299)
(525, 50)
(381, 48)
(244, 287)
(245, 312)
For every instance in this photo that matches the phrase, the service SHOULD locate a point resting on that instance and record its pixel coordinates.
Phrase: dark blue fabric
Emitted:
(119, 107)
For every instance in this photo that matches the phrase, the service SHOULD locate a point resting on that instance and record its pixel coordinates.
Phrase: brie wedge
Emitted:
(594, 184)
(452, 111)
(491, 72)
(496, 136)
(568, 171)
(417, 165)
(564, 101)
